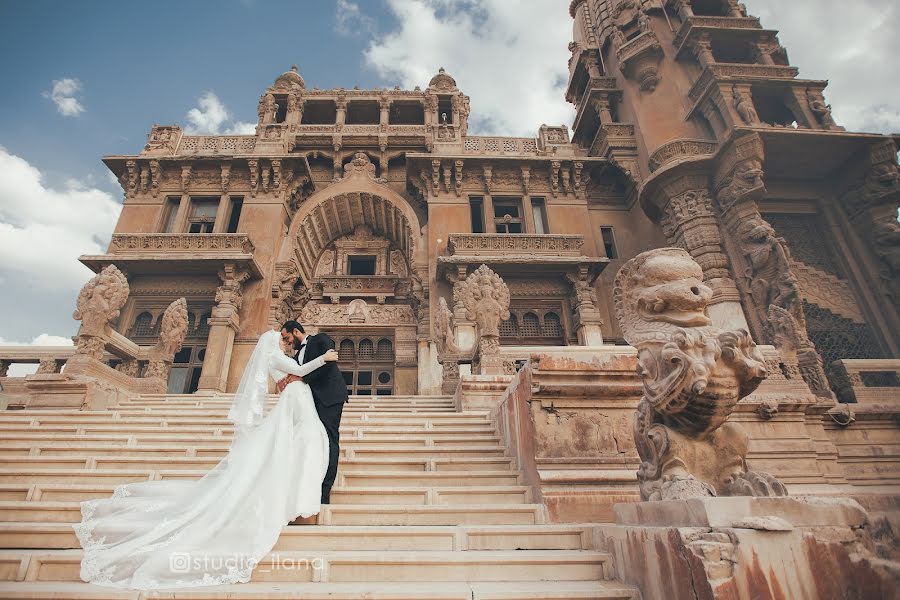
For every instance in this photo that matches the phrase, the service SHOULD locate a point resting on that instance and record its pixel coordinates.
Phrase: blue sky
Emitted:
(82, 79)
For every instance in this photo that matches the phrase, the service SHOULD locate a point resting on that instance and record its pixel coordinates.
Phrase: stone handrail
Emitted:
(868, 381)
(124, 243)
(499, 145)
(50, 358)
(214, 144)
(473, 244)
(359, 285)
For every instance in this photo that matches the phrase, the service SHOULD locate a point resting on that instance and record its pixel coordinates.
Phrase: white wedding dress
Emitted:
(176, 533)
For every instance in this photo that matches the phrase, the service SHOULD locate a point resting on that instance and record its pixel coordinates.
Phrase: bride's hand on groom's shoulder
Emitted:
(330, 356)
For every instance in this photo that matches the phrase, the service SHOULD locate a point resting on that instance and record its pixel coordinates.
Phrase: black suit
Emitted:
(329, 392)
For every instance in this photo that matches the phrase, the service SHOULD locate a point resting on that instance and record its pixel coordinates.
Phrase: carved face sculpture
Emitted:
(757, 232)
(670, 288)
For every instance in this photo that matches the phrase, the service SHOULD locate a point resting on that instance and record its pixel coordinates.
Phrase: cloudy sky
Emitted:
(85, 79)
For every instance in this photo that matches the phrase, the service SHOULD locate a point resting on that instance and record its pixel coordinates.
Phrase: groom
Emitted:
(328, 389)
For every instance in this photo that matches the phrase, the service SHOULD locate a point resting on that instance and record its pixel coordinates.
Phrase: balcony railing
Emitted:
(126, 243)
(465, 244)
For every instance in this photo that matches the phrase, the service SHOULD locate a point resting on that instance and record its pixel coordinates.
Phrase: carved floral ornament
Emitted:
(693, 375)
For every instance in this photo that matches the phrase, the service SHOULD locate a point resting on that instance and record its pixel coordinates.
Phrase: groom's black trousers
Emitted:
(331, 419)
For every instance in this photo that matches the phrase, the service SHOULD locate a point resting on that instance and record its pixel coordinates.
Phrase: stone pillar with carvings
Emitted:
(689, 222)
(172, 331)
(767, 284)
(223, 326)
(464, 329)
(584, 305)
(486, 298)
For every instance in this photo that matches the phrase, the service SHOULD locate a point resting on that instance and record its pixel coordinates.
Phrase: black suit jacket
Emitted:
(327, 384)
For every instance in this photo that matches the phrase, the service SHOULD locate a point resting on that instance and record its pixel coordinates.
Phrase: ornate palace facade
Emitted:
(363, 212)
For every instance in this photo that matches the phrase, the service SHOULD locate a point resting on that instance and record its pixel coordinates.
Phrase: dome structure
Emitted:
(290, 79)
(442, 81)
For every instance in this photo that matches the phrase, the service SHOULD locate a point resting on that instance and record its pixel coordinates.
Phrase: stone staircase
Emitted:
(427, 504)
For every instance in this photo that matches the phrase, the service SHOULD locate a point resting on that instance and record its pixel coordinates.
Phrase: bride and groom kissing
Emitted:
(280, 467)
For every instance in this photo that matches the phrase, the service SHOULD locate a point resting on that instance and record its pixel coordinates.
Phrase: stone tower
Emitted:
(741, 163)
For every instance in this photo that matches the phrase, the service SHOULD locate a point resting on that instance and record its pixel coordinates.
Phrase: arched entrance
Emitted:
(355, 255)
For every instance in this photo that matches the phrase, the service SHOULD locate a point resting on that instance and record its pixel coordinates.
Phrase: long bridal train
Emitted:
(214, 530)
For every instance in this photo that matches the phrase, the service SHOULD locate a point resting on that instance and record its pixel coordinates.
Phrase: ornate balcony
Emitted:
(739, 71)
(359, 286)
(185, 253)
(698, 23)
(506, 253)
(480, 244)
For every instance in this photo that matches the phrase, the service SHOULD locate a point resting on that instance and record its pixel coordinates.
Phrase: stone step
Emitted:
(360, 477)
(350, 448)
(508, 494)
(58, 536)
(349, 566)
(399, 461)
(100, 424)
(445, 590)
(142, 417)
(331, 514)
(442, 437)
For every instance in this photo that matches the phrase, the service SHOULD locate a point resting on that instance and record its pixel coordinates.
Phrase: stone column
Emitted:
(221, 215)
(464, 329)
(223, 325)
(384, 106)
(602, 106)
(48, 366)
(181, 216)
(4, 368)
(703, 51)
(689, 222)
(584, 305)
(772, 302)
(341, 106)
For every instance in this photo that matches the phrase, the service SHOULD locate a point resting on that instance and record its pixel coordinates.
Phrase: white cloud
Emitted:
(511, 61)
(44, 230)
(63, 95)
(44, 339)
(210, 116)
(852, 45)
(350, 20)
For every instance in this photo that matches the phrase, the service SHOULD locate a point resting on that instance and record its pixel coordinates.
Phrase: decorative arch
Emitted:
(359, 198)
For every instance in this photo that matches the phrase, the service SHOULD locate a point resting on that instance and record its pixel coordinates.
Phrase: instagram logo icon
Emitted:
(179, 562)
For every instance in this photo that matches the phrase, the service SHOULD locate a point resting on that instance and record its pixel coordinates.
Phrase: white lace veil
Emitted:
(249, 401)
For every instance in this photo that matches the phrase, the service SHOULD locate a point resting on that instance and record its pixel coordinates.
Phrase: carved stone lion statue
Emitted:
(693, 375)
(99, 302)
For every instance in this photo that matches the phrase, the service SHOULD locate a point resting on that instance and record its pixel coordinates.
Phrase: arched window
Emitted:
(366, 349)
(346, 351)
(143, 325)
(531, 326)
(552, 326)
(385, 350)
(203, 325)
(509, 327)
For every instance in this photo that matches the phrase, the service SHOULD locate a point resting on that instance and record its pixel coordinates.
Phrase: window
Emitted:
(552, 326)
(509, 327)
(609, 242)
(170, 212)
(476, 208)
(184, 377)
(406, 113)
(539, 211)
(508, 215)
(709, 8)
(203, 215)
(364, 112)
(203, 325)
(347, 350)
(366, 350)
(143, 325)
(531, 326)
(234, 214)
(385, 350)
(280, 108)
(319, 112)
(360, 265)
(445, 110)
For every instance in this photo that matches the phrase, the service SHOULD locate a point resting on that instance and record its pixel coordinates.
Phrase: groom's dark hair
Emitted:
(292, 325)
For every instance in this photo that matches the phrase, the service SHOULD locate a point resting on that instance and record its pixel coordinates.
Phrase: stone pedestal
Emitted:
(741, 547)
(480, 392)
(214, 375)
(70, 392)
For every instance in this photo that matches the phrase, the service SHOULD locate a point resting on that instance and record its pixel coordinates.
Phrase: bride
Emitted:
(176, 533)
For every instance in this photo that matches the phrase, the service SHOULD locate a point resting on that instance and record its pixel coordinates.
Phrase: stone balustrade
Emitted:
(124, 243)
(49, 358)
(499, 145)
(868, 381)
(359, 285)
(213, 144)
(479, 244)
(701, 22)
